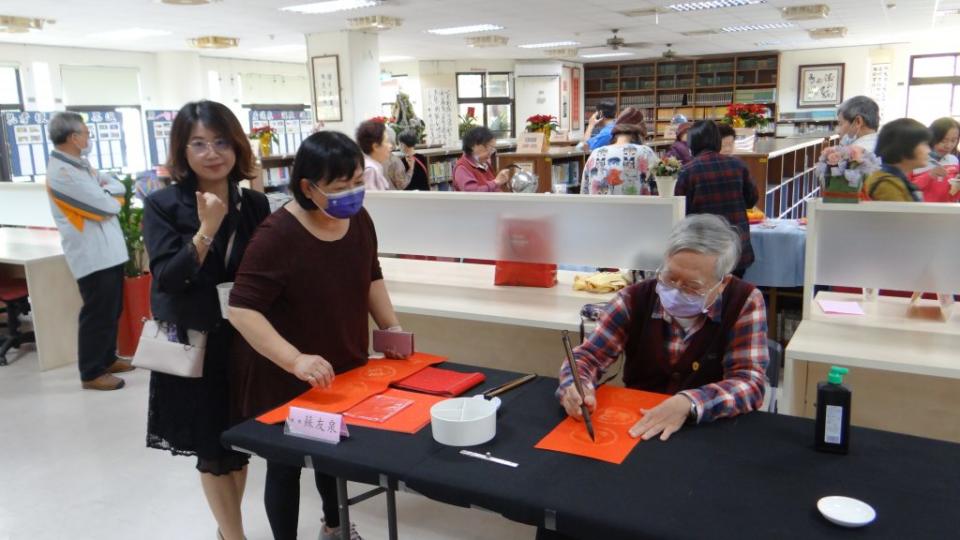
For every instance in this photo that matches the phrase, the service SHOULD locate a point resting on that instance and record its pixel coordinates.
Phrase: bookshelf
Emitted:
(699, 88)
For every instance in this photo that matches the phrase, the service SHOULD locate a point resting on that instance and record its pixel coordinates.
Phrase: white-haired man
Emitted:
(694, 331)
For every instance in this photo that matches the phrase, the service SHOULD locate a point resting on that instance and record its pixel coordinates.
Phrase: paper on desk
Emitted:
(835, 307)
(618, 409)
(409, 420)
(354, 386)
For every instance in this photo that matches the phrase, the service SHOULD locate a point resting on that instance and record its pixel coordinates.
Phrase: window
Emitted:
(490, 97)
(11, 97)
(934, 88)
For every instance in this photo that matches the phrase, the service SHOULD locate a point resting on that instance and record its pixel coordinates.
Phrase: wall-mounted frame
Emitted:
(819, 85)
(325, 72)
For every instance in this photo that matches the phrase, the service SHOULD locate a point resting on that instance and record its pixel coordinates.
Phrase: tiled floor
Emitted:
(73, 465)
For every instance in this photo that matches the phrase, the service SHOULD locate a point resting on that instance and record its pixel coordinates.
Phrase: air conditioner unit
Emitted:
(806, 13)
(20, 25)
(565, 52)
(650, 12)
(374, 22)
(696, 33)
(833, 32)
(486, 41)
(213, 42)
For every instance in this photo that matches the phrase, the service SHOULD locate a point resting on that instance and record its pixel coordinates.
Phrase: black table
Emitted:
(752, 476)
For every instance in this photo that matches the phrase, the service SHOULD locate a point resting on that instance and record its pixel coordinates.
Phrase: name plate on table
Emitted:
(317, 425)
(531, 143)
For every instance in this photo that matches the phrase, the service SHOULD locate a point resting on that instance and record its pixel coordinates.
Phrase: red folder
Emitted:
(440, 382)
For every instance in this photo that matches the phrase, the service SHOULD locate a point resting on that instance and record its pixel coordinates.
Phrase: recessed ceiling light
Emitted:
(21, 25)
(465, 29)
(754, 27)
(552, 44)
(806, 13)
(606, 55)
(395, 58)
(374, 22)
(128, 34)
(562, 52)
(214, 42)
(331, 6)
(715, 4)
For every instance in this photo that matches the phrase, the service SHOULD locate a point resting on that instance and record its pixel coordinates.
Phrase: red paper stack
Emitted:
(440, 382)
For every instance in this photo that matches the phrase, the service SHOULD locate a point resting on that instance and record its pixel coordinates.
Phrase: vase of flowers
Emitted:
(666, 175)
(746, 118)
(842, 170)
(264, 136)
(542, 123)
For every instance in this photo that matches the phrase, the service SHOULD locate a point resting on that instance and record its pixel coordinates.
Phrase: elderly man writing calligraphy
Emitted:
(694, 331)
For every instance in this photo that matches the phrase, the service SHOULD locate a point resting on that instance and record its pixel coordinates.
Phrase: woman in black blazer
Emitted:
(196, 231)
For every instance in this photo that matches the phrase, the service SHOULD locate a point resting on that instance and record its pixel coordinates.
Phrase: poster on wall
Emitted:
(439, 116)
(158, 134)
(820, 85)
(566, 82)
(575, 101)
(29, 148)
(326, 87)
(106, 136)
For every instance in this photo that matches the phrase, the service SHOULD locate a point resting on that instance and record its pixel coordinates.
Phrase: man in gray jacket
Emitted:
(85, 206)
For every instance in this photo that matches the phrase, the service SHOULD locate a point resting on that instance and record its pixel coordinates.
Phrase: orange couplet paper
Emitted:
(409, 420)
(354, 386)
(618, 409)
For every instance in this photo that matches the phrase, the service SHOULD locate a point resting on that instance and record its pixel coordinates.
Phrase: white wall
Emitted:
(359, 74)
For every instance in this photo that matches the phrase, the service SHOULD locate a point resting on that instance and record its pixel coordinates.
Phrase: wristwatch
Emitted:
(208, 241)
(692, 416)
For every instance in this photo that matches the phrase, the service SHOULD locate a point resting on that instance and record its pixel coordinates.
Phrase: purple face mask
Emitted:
(680, 304)
(345, 204)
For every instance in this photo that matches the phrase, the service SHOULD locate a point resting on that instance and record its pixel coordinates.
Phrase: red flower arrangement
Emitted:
(539, 122)
(383, 120)
(746, 115)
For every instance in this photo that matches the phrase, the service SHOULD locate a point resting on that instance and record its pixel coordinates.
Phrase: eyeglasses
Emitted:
(220, 146)
(698, 291)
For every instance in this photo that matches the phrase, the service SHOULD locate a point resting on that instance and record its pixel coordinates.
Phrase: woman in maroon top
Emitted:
(302, 296)
(474, 170)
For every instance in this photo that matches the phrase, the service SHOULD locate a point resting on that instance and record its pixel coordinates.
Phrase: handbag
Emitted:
(160, 350)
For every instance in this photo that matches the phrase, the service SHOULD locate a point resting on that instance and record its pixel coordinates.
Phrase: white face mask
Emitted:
(849, 139)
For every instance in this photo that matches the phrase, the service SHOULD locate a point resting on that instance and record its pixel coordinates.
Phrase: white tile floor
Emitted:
(73, 465)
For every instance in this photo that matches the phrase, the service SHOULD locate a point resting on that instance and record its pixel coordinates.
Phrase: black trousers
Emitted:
(281, 497)
(102, 294)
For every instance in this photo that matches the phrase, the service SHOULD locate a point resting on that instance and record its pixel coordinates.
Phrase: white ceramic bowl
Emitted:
(846, 512)
(464, 421)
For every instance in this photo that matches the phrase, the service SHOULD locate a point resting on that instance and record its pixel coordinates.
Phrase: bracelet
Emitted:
(208, 241)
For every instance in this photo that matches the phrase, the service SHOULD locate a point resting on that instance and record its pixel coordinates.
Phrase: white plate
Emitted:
(846, 512)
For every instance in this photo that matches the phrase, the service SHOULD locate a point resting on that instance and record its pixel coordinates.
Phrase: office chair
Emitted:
(13, 295)
(773, 374)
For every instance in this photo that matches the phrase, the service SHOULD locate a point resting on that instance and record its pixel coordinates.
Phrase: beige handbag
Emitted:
(159, 350)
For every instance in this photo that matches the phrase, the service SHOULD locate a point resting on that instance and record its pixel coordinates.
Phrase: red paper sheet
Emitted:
(378, 408)
(410, 420)
(440, 382)
(354, 386)
(618, 409)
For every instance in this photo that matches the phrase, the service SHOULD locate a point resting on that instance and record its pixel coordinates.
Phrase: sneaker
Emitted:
(334, 534)
(104, 382)
(120, 366)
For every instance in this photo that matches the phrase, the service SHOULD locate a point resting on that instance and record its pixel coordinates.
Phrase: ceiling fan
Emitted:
(616, 43)
(671, 54)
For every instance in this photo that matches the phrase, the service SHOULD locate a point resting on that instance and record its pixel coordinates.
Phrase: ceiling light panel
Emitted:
(452, 31)
(551, 45)
(331, 6)
(715, 4)
(757, 27)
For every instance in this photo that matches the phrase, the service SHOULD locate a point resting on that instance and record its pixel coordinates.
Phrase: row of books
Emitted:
(566, 173)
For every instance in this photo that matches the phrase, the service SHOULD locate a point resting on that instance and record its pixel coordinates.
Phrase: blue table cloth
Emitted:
(779, 247)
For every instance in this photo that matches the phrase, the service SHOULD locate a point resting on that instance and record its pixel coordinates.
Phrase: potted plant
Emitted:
(666, 174)
(265, 136)
(542, 123)
(467, 122)
(745, 119)
(842, 170)
(136, 282)
(405, 118)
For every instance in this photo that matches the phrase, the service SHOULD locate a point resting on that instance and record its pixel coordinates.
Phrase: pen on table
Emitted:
(575, 371)
(509, 385)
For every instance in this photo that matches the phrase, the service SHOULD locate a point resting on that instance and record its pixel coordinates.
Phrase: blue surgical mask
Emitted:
(85, 151)
(681, 304)
(344, 204)
(849, 139)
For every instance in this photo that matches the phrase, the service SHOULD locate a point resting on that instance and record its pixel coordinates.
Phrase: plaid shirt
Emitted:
(720, 185)
(744, 362)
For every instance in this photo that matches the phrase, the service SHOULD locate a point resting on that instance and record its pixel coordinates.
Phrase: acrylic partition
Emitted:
(881, 245)
(601, 231)
(25, 205)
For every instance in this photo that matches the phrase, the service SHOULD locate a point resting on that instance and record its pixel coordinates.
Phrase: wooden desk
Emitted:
(54, 297)
(457, 309)
(905, 374)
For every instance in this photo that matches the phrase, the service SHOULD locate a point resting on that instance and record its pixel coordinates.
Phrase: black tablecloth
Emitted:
(753, 476)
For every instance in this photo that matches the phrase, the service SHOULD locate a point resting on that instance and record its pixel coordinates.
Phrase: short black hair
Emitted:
(369, 133)
(704, 136)
(940, 128)
(477, 135)
(726, 130)
(408, 137)
(898, 140)
(324, 157)
(608, 108)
